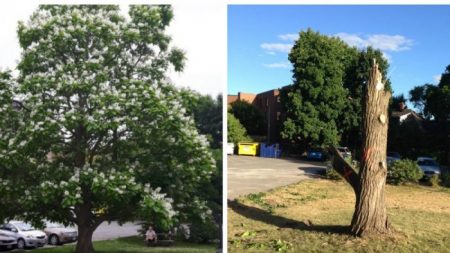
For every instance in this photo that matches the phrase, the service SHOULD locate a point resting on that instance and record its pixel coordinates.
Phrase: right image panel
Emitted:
(338, 123)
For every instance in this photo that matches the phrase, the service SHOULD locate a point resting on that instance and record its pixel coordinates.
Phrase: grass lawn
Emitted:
(314, 215)
(132, 245)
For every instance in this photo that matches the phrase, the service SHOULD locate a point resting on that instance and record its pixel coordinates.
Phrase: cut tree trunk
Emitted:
(370, 216)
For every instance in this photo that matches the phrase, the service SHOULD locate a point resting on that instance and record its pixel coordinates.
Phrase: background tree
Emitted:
(102, 135)
(236, 132)
(317, 95)
(434, 103)
(357, 74)
(250, 117)
(207, 114)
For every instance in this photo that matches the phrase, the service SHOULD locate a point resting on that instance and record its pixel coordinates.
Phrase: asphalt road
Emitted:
(248, 174)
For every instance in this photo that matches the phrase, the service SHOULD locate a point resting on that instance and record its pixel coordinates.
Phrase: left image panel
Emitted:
(111, 127)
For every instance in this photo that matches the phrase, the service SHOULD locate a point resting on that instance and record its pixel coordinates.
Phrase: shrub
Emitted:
(402, 171)
(433, 180)
(332, 174)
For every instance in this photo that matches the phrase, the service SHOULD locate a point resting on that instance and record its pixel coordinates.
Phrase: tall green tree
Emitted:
(317, 96)
(324, 104)
(101, 135)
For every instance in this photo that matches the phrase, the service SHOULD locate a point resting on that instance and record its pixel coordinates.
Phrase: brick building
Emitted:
(269, 104)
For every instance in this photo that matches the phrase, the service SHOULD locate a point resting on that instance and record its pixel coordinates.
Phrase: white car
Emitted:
(24, 234)
(345, 152)
(429, 166)
(7, 242)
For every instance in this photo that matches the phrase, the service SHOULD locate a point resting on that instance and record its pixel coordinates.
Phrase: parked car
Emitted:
(429, 166)
(315, 154)
(24, 234)
(345, 152)
(7, 242)
(58, 234)
(392, 157)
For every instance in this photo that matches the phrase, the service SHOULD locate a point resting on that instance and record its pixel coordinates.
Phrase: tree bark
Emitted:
(370, 216)
(84, 243)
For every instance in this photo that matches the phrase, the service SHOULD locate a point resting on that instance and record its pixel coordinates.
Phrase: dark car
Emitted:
(316, 154)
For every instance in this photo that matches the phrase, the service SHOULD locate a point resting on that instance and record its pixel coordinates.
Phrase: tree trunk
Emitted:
(370, 215)
(84, 243)
(87, 224)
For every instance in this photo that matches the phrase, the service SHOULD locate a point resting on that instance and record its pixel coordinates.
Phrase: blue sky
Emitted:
(415, 39)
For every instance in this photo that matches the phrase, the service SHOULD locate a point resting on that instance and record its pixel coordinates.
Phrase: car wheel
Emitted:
(54, 240)
(21, 243)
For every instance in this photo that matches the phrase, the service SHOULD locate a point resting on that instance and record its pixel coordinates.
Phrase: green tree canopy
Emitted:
(323, 105)
(207, 113)
(100, 134)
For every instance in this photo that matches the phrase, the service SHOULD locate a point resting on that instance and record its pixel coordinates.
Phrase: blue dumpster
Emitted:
(270, 150)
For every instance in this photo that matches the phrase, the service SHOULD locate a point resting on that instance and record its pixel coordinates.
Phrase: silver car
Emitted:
(59, 234)
(429, 166)
(24, 234)
(7, 242)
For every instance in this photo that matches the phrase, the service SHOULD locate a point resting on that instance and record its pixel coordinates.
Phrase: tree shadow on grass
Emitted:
(283, 222)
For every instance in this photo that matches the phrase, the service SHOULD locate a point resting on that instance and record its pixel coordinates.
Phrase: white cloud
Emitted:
(288, 36)
(277, 47)
(436, 79)
(203, 42)
(281, 65)
(384, 42)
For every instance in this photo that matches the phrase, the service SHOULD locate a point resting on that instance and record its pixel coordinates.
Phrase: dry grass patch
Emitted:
(313, 216)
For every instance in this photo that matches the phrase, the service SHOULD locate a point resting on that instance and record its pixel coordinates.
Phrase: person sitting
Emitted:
(150, 236)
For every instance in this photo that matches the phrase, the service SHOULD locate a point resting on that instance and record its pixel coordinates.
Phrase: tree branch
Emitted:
(344, 168)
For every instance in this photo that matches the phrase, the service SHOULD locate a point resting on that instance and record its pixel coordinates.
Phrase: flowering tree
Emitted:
(100, 135)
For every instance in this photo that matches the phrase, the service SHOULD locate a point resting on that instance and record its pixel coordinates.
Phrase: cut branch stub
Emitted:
(344, 168)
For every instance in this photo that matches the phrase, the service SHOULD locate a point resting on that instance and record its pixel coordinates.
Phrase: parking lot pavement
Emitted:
(247, 174)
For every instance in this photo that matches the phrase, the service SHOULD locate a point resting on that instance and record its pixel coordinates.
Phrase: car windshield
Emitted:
(428, 163)
(23, 226)
(53, 225)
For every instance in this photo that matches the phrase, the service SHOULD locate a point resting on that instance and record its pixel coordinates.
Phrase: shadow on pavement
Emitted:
(314, 172)
(283, 222)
